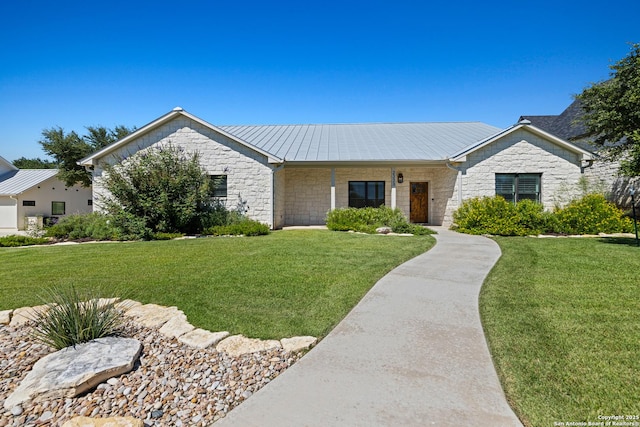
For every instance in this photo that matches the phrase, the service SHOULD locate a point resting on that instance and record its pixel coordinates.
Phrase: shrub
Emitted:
(491, 215)
(407, 228)
(246, 227)
(94, 226)
(592, 214)
(164, 188)
(73, 318)
(17, 240)
(364, 220)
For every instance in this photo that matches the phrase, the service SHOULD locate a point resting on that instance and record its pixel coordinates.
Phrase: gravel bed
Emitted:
(171, 385)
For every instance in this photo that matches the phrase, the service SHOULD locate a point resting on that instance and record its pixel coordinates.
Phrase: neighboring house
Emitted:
(603, 175)
(37, 193)
(293, 175)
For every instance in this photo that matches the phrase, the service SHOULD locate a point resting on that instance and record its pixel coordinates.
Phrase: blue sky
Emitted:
(75, 64)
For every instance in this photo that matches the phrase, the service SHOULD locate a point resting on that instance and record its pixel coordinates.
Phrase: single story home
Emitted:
(37, 193)
(294, 174)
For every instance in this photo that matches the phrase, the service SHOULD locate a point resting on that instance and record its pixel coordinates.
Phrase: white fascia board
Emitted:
(7, 163)
(91, 160)
(461, 155)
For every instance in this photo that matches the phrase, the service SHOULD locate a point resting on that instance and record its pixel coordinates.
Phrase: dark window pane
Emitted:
(219, 185)
(57, 208)
(28, 203)
(366, 193)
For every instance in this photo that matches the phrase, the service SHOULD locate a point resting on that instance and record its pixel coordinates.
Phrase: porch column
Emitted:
(333, 188)
(393, 188)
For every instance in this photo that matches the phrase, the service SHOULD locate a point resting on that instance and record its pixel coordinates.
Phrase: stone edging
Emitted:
(172, 322)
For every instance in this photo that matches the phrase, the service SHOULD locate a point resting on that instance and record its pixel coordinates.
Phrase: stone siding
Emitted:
(307, 195)
(249, 176)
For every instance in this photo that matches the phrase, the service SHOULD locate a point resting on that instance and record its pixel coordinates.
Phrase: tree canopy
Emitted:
(612, 112)
(68, 148)
(35, 163)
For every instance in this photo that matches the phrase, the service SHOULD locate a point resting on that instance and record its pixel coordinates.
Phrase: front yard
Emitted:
(285, 284)
(562, 317)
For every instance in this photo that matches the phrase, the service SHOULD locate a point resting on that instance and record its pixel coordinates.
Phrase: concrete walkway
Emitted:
(411, 353)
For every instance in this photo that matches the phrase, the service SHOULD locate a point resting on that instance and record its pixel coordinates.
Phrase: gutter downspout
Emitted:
(459, 179)
(273, 195)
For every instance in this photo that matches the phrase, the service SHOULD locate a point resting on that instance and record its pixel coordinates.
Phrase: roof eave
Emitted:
(92, 159)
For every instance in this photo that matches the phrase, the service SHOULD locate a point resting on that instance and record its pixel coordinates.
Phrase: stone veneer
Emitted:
(249, 175)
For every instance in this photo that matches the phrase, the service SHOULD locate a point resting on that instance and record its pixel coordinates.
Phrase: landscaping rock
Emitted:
(104, 422)
(383, 230)
(5, 317)
(75, 370)
(176, 327)
(153, 315)
(238, 345)
(200, 338)
(24, 315)
(295, 344)
(127, 304)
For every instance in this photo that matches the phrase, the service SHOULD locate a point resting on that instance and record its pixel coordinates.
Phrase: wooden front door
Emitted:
(419, 202)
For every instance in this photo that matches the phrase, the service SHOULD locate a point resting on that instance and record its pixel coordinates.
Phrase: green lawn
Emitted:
(562, 317)
(287, 283)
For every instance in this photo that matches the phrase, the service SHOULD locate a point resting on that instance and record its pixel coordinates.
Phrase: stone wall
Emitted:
(249, 176)
(307, 195)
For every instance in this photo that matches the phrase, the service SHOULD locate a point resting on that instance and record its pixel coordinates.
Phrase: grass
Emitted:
(287, 283)
(562, 318)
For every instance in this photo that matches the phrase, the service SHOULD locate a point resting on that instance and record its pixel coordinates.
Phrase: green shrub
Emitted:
(592, 214)
(246, 227)
(364, 220)
(95, 226)
(73, 318)
(407, 228)
(492, 215)
(17, 240)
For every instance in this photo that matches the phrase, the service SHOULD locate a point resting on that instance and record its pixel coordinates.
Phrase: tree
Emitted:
(612, 112)
(161, 189)
(68, 148)
(36, 163)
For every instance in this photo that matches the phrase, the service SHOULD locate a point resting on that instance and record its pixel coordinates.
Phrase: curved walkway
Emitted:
(411, 353)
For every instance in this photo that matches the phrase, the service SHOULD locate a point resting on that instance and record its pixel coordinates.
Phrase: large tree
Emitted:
(612, 112)
(68, 148)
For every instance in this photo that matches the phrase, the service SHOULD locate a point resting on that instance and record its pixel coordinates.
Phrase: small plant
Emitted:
(74, 318)
(166, 236)
(17, 240)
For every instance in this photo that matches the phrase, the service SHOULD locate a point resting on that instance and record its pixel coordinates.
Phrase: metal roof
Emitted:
(363, 142)
(19, 181)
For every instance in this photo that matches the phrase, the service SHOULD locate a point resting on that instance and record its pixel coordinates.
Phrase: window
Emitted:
(90, 202)
(57, 208)
(28, 203)
(518, 186)
(219, 185)
(366, 193)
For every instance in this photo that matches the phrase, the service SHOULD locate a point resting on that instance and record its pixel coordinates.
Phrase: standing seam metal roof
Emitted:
(363, 142)
(16, 182)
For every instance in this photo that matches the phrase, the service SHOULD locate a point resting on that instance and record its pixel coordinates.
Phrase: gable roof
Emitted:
(526, 125)
(20, 180)
(6, 165)
(176, 112)
(566, 125)
(334, 142)
(364, 141)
